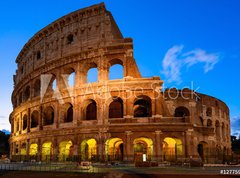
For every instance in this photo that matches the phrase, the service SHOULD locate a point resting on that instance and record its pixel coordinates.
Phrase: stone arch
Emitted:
(88, 149)
(217, 129)
(116, 69)
(209, 112)
(172, 148)
(27, 93)
(209, 123)
(92, 72)
(37, 88)
(69, 39)
(142, 106)
(223, 131)
(143, 147)
(69, 76)
(203, 150)
(116, 108)
(181, 111)
(33, 149)
(20, 98)
(65, 150)
(48, 116)
(114, 149)
(23, 149)
(34, 119)
(68, 113)
(25, 122)
(90, 110)
(47, 151)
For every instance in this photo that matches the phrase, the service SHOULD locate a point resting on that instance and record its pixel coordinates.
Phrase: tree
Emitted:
(4, 145)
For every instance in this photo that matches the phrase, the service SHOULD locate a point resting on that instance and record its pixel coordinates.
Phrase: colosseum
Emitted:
(60, 115)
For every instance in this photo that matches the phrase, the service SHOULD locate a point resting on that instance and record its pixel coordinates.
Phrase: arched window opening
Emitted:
(223, 132)
(91, 110)
(209, 123)
(27, 93)
(37, 88)
(39, 55)
(217, 130)
(54, 85)
(25, 122)
(68, 113)
(92, 74)
(34, 119)
(116, 72)
(209, 112)
(114, 149)
(20, 98)
(70, 39)
(48, 116)
(88, 149)
(116, 108)
(71, 79)
(143, 146)
(65, 150)
(181, 112)
(203, 151)
(172, 149)
(47, 151)
(143, 107)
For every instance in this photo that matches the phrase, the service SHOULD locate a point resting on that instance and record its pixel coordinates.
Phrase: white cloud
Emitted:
(175, 60)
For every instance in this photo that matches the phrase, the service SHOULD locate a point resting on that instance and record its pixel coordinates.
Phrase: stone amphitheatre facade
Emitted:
(126, 119)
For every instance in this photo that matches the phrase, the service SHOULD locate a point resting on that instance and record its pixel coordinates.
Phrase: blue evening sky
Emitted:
(199, 30)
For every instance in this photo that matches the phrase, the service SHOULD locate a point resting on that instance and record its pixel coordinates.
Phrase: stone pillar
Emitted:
(192, 106)
(40, 118)
(20, 124)
(128, 156)
(29, 120)
(188, 143)
(39, 154)
(55, 150)
(158, 146)
(27, 147)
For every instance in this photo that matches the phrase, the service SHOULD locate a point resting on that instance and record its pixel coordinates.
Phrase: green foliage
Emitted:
(4, 145)
(235, 144)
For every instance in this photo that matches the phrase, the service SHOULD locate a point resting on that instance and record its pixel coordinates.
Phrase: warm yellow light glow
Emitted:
(172, 148)
(143, 146)
(47, 150)
(88, 149)
(23, 151)
(112, 148)
(33, 149)
(64, 150)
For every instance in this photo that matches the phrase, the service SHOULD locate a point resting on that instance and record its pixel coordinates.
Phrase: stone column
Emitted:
(29, 120)
(128, 156)
(158, 146)
(27, 147)
(192, 106)
(39, 153)
(188, 143)
(40, 118)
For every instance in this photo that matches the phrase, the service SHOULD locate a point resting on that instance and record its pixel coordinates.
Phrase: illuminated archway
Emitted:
(143, 147)
(23, 150)
(47, 151)
(172, 149)
(114, 149)
(88, 149)
(65, 150)
(33, 150)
